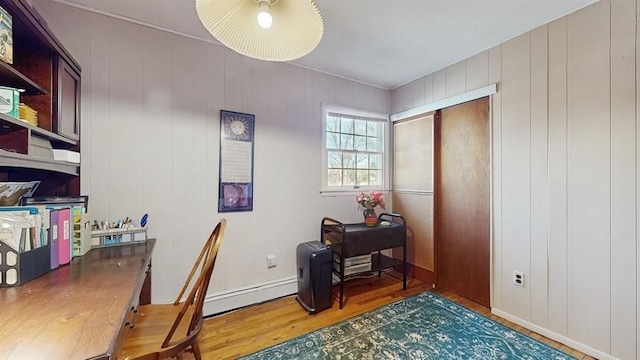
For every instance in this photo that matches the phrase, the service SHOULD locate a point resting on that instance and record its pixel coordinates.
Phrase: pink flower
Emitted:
(370, 200)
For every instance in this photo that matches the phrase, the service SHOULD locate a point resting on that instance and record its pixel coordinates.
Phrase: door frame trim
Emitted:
(450, 101)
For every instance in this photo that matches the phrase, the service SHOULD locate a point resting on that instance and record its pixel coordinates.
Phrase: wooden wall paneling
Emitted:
(406, 94)
(376, 99)
(637, 164)
(125, 126)
(186, 245)
(456, 79)
(216, 70)
(341, 91)
(157, 140)
(494, 71)
(623, 180)
(538, 281)
(588, 178)
(477, 74)
(428, 89)
(395, 98)
(439, 85)
(516, 173)
(203, 142)
(417, 93)
(232, 81)
(248, 84)
(96, 78)
(420, 98)
(407, 98)
(557, 172)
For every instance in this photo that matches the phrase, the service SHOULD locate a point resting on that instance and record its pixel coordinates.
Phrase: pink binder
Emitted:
(64, 236)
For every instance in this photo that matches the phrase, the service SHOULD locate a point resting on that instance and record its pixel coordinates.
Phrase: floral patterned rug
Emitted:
(424, 326)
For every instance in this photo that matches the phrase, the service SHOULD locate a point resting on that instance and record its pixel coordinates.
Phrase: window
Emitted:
(354, 154)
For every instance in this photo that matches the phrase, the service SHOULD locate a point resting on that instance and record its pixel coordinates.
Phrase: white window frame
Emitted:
(355, 189)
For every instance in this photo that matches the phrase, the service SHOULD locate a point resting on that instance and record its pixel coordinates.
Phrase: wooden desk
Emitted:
(78, 311)
(349, 240)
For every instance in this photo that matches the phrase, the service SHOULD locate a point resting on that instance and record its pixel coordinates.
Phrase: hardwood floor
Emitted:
(244, 331)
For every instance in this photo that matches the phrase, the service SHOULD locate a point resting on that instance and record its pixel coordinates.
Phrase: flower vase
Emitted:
(370, 217)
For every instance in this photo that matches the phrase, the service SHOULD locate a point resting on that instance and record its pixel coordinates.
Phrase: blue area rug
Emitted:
(424, 326)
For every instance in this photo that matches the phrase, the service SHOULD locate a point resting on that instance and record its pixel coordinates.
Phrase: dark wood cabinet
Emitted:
(48, 79)
(66, 103)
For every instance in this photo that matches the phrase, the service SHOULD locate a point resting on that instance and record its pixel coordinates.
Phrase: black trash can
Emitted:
(315, 261)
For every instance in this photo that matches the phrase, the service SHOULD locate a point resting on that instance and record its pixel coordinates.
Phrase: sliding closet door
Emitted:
(413, 191)
(462, 200)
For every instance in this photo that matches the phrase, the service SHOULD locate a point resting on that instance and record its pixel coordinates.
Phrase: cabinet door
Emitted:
(66, 106)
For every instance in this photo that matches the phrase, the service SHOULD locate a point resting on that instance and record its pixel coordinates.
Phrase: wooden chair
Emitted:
(168, 330)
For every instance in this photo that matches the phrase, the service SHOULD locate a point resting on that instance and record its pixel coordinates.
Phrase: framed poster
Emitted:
(235, 190)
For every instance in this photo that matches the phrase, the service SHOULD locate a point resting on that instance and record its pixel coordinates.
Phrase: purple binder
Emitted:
(54, 233)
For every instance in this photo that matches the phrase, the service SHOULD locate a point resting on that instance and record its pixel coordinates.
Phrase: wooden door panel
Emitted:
(462, 200)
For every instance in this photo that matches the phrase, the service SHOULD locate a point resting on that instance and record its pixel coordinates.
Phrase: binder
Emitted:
(81, 231)
(64, 236)
(53, 237)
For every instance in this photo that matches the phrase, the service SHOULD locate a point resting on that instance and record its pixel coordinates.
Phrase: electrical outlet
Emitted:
(271, 261)
(518, 278)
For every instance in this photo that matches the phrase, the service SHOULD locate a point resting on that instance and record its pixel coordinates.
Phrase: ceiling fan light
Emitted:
(297, 27)
(264, 16)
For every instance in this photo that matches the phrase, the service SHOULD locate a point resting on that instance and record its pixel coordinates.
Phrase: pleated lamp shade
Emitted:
(296, 30)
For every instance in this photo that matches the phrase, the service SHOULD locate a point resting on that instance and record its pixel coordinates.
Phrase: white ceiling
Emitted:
(384, 43)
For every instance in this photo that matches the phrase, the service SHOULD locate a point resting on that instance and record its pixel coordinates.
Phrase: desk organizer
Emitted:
(81, 234)
(18, 268)
(115, 237)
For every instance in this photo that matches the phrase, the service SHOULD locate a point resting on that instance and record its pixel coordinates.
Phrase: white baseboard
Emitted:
(237, 298)
(554, 336)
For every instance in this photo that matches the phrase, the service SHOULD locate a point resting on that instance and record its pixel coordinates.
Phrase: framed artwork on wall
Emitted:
(235, 185)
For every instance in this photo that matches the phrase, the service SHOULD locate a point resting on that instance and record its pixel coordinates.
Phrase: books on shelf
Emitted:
(6, 36)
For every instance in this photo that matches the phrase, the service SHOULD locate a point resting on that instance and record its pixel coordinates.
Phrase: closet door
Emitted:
(413, 191)
(462, 200)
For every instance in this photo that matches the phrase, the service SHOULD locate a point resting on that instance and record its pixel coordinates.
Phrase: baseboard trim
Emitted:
(554, 336)
(424, 275)
(237, 298)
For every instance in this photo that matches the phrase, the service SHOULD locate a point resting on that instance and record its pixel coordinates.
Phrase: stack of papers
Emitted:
(22, 228)
(28, 114)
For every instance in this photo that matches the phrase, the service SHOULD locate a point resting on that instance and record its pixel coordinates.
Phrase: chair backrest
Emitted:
(195, 300)
(202, 258)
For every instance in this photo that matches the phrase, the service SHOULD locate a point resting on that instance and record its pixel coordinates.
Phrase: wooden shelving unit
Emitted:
(40, 66)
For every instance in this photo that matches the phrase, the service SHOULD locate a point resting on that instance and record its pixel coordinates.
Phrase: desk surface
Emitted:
(75, 311)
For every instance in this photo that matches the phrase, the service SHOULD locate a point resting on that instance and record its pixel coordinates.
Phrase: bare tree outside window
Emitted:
(354, 150)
